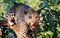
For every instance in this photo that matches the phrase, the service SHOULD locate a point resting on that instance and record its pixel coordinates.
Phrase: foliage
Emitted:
(49, 17)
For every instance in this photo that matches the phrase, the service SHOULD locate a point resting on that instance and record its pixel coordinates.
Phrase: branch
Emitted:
(4, 23)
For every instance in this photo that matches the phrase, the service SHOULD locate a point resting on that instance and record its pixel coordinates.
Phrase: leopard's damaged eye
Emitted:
(30, 17)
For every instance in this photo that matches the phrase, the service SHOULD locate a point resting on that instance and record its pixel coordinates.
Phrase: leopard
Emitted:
(25, 17)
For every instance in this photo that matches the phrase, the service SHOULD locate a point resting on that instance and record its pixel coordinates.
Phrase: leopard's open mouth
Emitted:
(33, 26)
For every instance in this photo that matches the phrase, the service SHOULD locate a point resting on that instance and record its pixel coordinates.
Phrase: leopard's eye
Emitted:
(30, 17)
(37, 16)
(12, 15)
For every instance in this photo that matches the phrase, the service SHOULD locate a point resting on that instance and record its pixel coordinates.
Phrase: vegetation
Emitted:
(49, 16)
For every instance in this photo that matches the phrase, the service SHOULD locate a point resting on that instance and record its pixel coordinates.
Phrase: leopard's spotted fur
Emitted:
(24, 16)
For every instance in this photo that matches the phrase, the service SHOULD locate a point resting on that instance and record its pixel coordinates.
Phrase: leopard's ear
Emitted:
(39, 10)
(28, 10)
(25, 12)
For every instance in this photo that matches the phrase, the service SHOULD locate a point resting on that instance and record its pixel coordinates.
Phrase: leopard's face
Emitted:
(11, 18)
(32, 20)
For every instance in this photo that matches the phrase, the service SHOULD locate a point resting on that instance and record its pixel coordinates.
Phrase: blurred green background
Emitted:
(49, 16)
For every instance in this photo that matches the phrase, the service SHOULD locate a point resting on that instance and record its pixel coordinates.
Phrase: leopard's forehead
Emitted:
(32, 13)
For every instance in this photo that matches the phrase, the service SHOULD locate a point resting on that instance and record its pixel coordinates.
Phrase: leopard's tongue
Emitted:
(33, 26)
